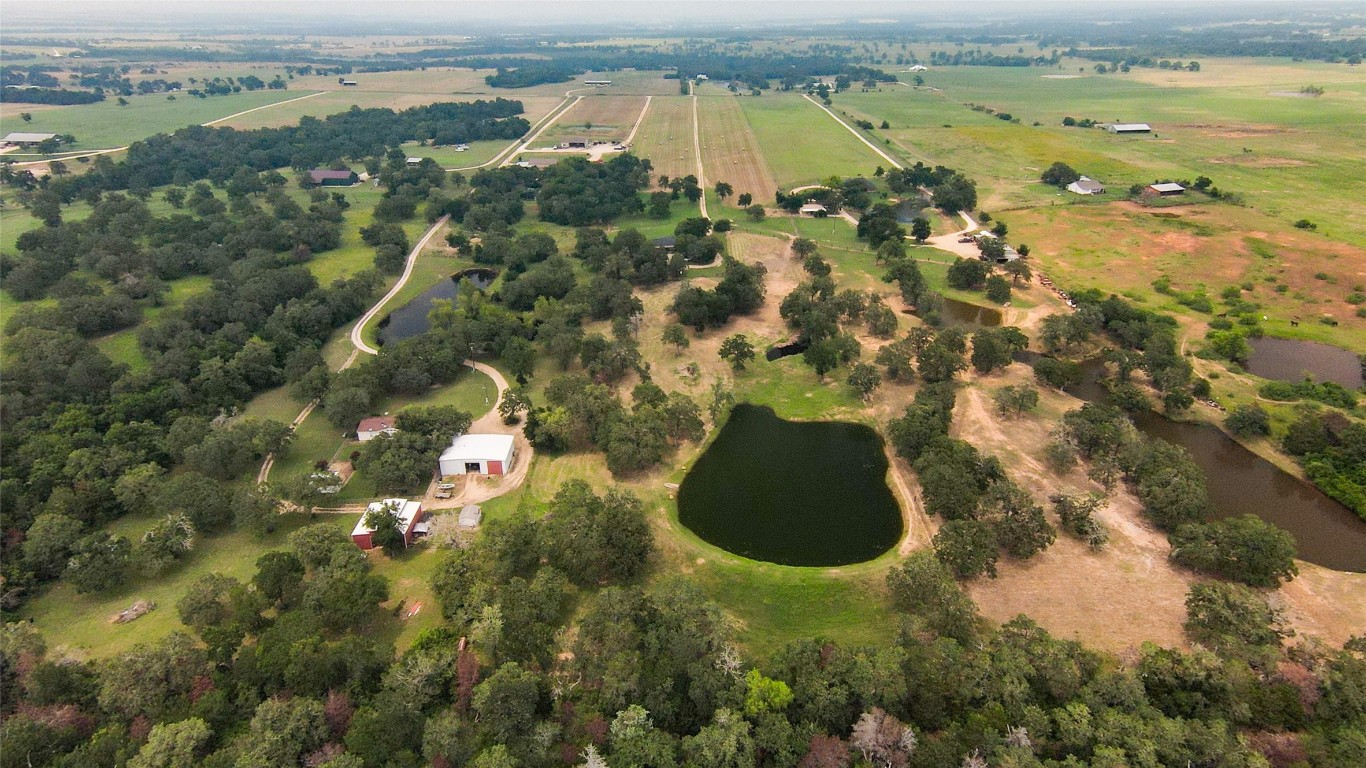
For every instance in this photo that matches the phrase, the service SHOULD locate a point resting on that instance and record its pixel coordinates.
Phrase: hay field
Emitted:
(597, 118)
(665, 138)
(730, 151)
(801, 144)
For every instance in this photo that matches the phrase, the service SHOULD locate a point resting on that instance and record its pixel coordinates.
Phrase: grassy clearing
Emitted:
(802, 144)
(106, 124)
(597, 117)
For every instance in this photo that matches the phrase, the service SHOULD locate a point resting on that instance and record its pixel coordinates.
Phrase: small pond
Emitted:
(792, 493)
(410, 319)
(779, 351)
(1293, 359)
(957, 312)
(1240, 482)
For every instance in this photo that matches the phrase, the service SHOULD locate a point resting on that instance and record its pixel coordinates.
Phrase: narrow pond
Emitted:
(1240, 482)
(792, 493)
(1293, 359)
(410, 319)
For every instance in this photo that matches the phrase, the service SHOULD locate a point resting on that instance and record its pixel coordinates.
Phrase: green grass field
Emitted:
(802, 144)
(105, 124)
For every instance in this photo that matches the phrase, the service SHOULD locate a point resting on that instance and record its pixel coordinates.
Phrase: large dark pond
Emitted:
(1241, 482)
(411, 319)
(1293, 359)
(793, 493)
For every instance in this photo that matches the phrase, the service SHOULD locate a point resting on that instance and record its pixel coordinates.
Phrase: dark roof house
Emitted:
(326, 178)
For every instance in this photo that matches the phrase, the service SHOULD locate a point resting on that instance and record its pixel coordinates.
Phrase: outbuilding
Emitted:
(373, 427)
(412, 161)
(814, 209)
(537, 162)
(470, 516)
(668, 242)
(409, 515)
(326, 178)
(1129, 128)
(349, 82)
(478, 455)
(597, 82)
(575, 142)
(1167, 189)
(918, 68)
(1085, 186)
(23, 139)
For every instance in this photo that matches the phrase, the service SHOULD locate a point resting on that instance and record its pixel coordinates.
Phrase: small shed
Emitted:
(575, 142)
(1167, 189)
(24, 139)
(1129, 128)
(373, 427)
(1085, 186)
(597, 82)
(349, 82)
(813, 209)
(326, 178)
(470, 516)
(409, 515)
(478, 455)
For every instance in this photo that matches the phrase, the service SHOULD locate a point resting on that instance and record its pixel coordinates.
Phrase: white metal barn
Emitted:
(478, 455)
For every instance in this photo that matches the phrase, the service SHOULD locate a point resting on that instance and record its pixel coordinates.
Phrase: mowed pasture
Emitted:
(106, 125)
(596, 117)
(730, 152)
(801, 144)
(1289, 156)
(665, 138)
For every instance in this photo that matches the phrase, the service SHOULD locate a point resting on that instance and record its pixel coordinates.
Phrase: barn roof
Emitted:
(22, 137)
(408, 512)
(376, 424)
(478, 448)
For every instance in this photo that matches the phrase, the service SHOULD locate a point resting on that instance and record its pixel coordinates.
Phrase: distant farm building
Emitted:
(813, 209)
(373, 427)
(1085, 186)
(574, 142)
(537, 162)
(326, 178)
(703, 77)
(412, 161)
(1168, 189)
(1129, 128)
(409, 515)
(478, 455)
(22, 139)
(597, 82)
(349, 82)
(470, 516)
(918, 68)
(667, 242)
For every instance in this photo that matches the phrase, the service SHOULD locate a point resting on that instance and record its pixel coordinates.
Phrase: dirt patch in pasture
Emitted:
(1256, 161)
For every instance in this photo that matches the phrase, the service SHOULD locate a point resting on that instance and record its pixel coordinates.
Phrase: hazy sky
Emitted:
(445, 16)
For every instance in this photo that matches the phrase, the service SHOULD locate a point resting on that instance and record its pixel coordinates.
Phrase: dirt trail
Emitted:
(697, 151)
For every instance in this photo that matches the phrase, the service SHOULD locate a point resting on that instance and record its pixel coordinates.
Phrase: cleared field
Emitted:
(665, 138)
(334, 101)
(730, 152)
(801, 144)
(597, 118)
(1123, 248)
(1285, 155)
(106, 124)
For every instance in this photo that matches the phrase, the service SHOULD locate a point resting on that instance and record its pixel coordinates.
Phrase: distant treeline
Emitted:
(60, 96)
(528, 75)
(215, 154)
(988, 59)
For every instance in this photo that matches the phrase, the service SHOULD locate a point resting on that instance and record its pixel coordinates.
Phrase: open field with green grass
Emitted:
(802, 144)
(106, 124)
(1252, 133)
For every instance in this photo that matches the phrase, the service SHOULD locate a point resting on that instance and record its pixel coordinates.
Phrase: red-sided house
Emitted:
(409, 515)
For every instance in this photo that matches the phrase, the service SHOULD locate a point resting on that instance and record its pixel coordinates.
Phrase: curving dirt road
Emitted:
(356, 331)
